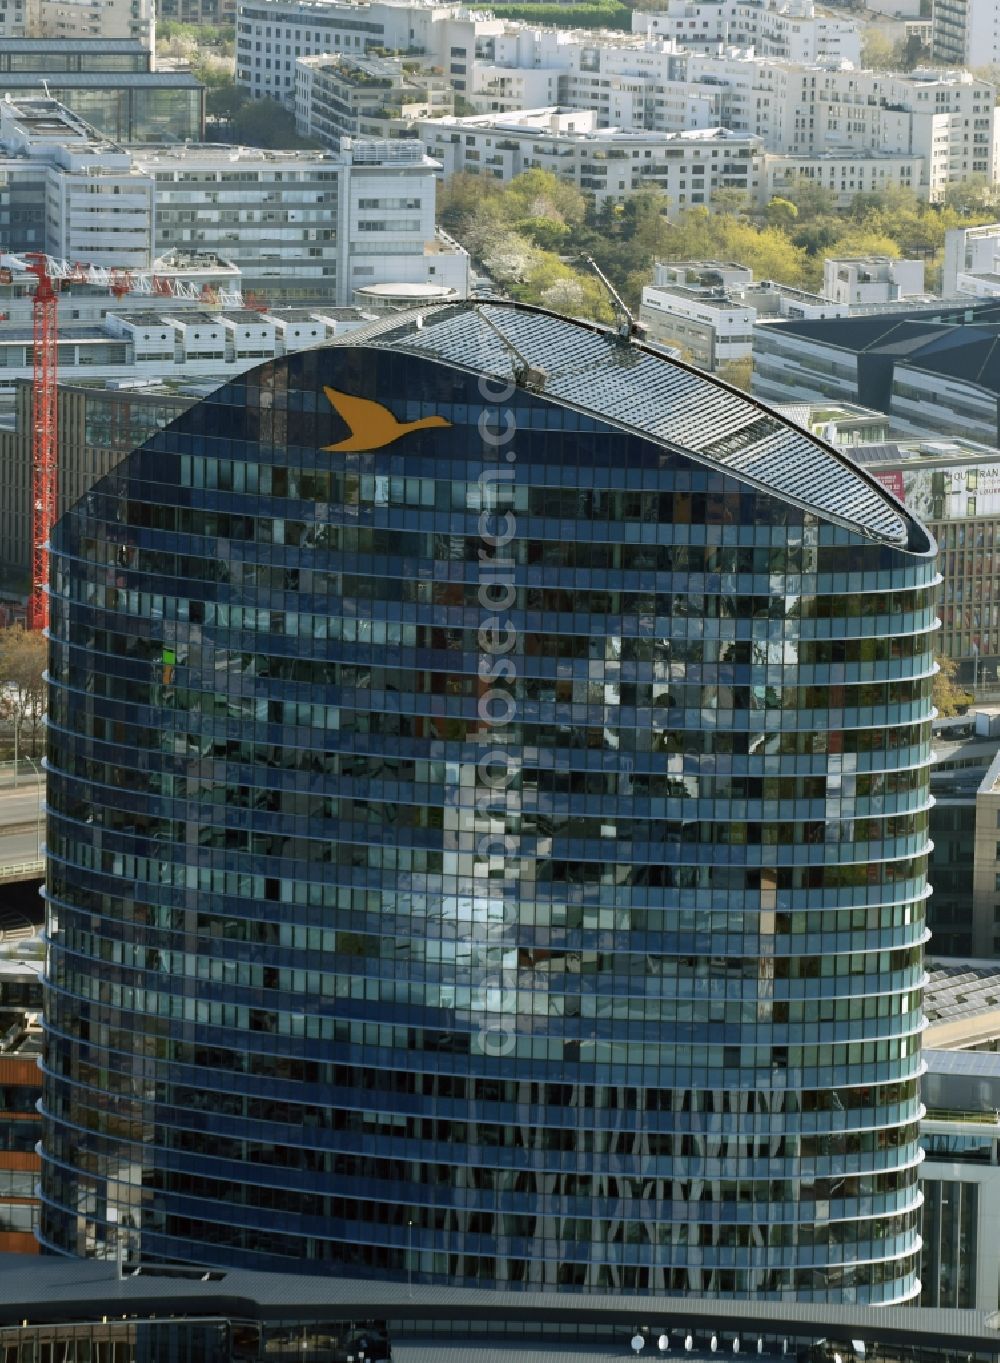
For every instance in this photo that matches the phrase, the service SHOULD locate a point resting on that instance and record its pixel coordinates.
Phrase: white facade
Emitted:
(271, 34)
(172, 341)
(972, 261)
(95, 19)
(966, 32)
(844, 174)
(710, 309)
(607, 162)
(778, 71)
(98, 206)
(712, 330)
(307, 225)
(871, 279)
(894, 9)
(339, 96)
(792, 29)
(18, 18)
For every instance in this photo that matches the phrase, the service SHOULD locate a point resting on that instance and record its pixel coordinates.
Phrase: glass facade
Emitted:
(487, 840)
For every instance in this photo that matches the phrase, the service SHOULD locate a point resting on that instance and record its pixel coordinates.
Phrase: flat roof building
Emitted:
(933, 369)
(609, 163)
(126, 106)
(305, 226)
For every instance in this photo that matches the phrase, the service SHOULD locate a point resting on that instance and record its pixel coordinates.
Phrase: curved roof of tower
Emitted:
(639, 388)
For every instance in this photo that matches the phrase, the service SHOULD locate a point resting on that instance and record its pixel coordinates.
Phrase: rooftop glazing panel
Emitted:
(642, 390)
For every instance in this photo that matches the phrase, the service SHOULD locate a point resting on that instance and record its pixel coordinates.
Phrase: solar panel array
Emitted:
(981, 1064)
(961, 991)
(642, 390)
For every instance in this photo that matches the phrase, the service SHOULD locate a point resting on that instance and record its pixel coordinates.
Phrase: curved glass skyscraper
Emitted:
(488, 829)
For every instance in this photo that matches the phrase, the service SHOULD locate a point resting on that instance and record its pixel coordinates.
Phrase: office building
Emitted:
(126, 378)
(20, 1089)
(842, 424)
(960, 1177)
(951, 485)
(101, 20)
(462, 825)
(931, 368)
(46, 57)
(68, 191)
(305, 226)
(709, 308)
(131, 106)
(237, 1317)
(986, 869)
(971, 261)
(271, 36)
(964, 748)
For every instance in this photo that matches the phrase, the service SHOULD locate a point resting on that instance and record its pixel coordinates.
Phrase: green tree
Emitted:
(23, 657)
(878, 52)
(540, 194)
(266, 123)
(737, 372)
(949, 698)
(781, 213)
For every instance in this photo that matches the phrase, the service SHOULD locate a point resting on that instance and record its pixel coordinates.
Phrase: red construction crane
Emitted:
(44, 436)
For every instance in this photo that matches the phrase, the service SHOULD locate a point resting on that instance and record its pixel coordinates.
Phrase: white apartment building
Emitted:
(790, 29)
(17, 18)
(966, 32)
(864, 280)
(779, 71)
(79, 19)
(68, 191)
(94, 19)
(946, 119)
(972, 261)
(843, 173)
(340, 96)
(272, 34)
(609, 163)
(709, 309)
(307, 225)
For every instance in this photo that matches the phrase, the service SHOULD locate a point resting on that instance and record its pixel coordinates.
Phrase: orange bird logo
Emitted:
(372, 426)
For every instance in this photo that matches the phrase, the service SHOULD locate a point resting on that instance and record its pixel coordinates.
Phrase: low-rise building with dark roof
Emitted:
(933, 368)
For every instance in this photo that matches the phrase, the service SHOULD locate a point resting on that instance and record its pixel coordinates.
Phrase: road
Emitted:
(22, 822)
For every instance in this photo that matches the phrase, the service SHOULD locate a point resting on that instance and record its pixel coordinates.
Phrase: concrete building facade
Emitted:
(307, 226)
(343, 96)
(69, 192)
(709, 309)
(863, 280)
(609, 163)
(965, 32)
(945, 380)
(792, 29)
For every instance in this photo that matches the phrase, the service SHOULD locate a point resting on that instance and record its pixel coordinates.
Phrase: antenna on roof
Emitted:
(625, 324)
(526, 375)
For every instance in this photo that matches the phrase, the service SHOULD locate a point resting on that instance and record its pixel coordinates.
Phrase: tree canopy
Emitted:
(537, 229)
(23, 656)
